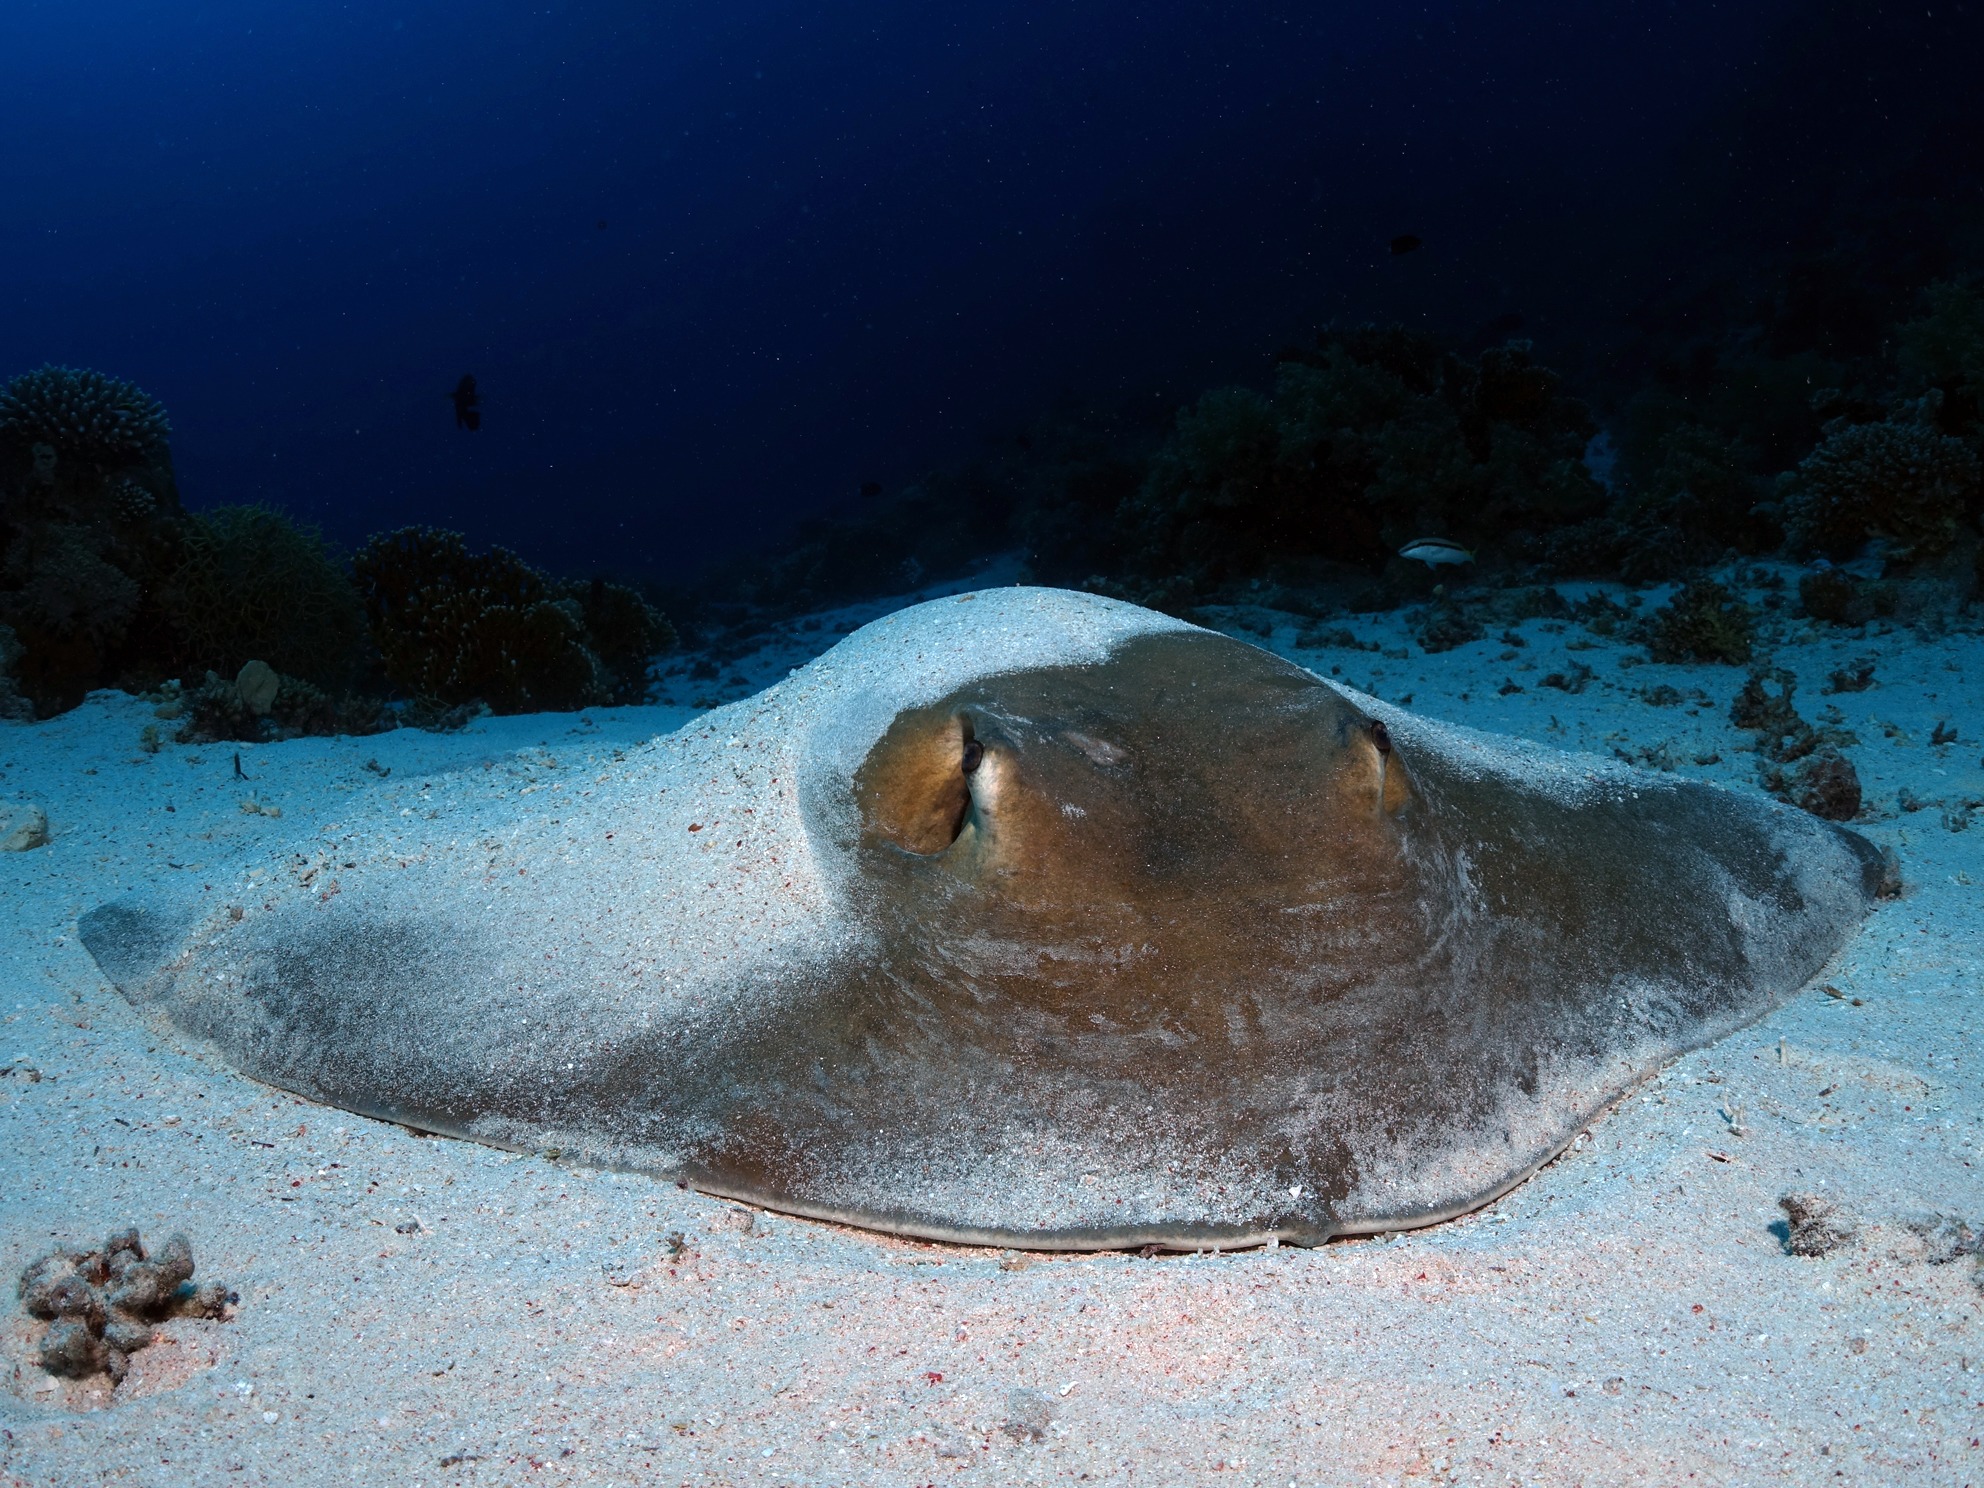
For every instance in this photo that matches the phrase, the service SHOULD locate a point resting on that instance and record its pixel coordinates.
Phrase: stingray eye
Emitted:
(915, 785)
(1381, 737)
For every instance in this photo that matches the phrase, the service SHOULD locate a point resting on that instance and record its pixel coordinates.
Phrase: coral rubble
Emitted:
(23, 827)
(102, 1305)
(1822, 779)
(1814, 1224)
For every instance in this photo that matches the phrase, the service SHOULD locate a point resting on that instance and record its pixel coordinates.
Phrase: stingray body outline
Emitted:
(1023, 918)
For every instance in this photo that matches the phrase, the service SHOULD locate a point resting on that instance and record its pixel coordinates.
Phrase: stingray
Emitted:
(1022, 918)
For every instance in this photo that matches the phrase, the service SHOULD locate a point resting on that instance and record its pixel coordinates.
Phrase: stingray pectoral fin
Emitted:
(1880, 871)
(132, 942)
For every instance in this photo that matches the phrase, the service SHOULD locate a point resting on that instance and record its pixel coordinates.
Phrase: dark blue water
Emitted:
(715, 266)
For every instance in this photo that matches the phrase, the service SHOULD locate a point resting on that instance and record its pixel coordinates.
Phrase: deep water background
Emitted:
(717, 266)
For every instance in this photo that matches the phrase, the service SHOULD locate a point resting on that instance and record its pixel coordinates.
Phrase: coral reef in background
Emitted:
(1070, 475)
(61, 581)
(1370, 439)
(1697, 447)
(1836, 596)
(624, 632)
(89, 524)
(105, 580)
(1695, 498)
(1942, 352)
(1294, 497)
(253, 585)
(1297, 496)
(455, 626)
(1901, 480)
(15, 707)
(1051, 489)
(260, 705)
(83, 416)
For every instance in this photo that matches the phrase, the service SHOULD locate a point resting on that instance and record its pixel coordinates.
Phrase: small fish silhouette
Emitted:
(468, 407)
(1434, 551)
(1405, 243)
(871, 488)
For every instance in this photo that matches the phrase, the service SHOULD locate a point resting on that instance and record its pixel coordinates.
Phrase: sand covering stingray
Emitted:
(1026, 917)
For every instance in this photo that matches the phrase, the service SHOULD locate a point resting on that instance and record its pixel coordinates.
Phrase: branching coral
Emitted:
(1899, 479)
(455, 626)
(83, 415)
(89, 522)
(1703, 622)
(624, 631)
(254, 585)
(63, 586)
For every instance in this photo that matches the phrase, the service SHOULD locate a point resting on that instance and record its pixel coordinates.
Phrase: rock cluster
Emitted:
(102, 1305)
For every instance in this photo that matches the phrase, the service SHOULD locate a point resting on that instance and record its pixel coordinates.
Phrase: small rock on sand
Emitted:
(257, 684)
(1028, 1414)
(22, 827)
(1817, 1225)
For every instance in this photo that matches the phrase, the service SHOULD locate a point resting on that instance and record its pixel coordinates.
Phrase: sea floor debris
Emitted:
(102, 1305)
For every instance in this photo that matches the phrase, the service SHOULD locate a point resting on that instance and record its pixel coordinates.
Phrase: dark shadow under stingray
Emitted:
(1183, 948)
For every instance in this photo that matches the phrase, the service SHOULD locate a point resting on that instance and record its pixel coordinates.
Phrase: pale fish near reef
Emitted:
(1022, 918)
(1434, 551)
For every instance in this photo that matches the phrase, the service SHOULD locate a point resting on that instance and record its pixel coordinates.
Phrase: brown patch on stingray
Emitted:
(1136, 839)
(1197, 902)
(1175, 766)
(1154, 873)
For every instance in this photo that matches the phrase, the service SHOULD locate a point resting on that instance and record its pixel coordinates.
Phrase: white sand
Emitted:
(1626, 1316)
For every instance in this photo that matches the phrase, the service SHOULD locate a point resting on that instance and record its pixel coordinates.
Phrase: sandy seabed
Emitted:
(418, 1311)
